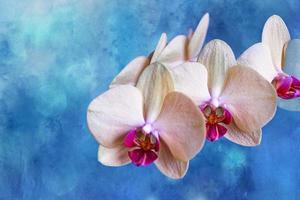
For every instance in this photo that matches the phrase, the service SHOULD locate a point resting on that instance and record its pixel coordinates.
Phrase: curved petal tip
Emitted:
(198, 37)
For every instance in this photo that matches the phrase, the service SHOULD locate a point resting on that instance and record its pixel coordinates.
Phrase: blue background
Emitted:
(56, 56)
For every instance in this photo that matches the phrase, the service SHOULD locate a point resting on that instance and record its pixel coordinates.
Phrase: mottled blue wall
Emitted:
(56, 56)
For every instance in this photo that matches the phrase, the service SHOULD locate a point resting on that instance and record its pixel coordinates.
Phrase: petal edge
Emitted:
(249, 97)
(181, 126)
(112, 114)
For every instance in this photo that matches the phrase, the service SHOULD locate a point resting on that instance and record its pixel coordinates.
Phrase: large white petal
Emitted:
(181, 126)
(198, 38)
(258, 57)
(112, 114)
(175, 52)
(131, 72)
(275, 35)
(251, 138)
(217, 57)
(190, 78)
(169, 165)
(249, 97)
(162, 43)
(155, 83)
(114, 157)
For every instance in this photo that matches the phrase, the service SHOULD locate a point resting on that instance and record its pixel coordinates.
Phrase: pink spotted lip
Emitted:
(215, 117)
(143, 146)
(287, 87)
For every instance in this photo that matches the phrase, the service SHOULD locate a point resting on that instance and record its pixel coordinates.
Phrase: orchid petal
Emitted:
(139, 157)
(175, 52)
(162, 43)
(168, 165)
(217, 57)
(155, 83)
(191, 79)
(198, 37)
(249, 97)
(116, 156)
(236, 135)
(275, 35)
(283, 85)
(214, 132)
(131, 72)
(290, 104)
(258, 57)
(292, 58)
(190, 34)
(111, 115)
(181, 126)
(129, 139)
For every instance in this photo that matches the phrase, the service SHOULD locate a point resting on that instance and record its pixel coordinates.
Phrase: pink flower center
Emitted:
(143, 145)
(215, 116)
(287, 87)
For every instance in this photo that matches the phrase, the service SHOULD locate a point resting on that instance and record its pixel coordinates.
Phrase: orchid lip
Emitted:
(216, 118)
(287, 86)
(143, 145)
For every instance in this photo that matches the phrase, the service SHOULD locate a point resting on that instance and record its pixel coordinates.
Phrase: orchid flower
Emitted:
(277, 58)
(149, 123)
(236, 101)
(179, 50)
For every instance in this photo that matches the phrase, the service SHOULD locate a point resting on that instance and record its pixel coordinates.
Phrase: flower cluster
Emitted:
(161, 108)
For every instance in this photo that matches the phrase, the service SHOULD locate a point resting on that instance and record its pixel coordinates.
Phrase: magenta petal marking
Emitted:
(221, 130)
(150, 157)
(215, 132)
(129, 138)
(136, 156)
(287, 87)
(296, 86)
(227, 117)
(283, 84)
(157, 146)
(142, 146)
(211, 132)
(139, 157)
(214, 117)
(296, 82)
